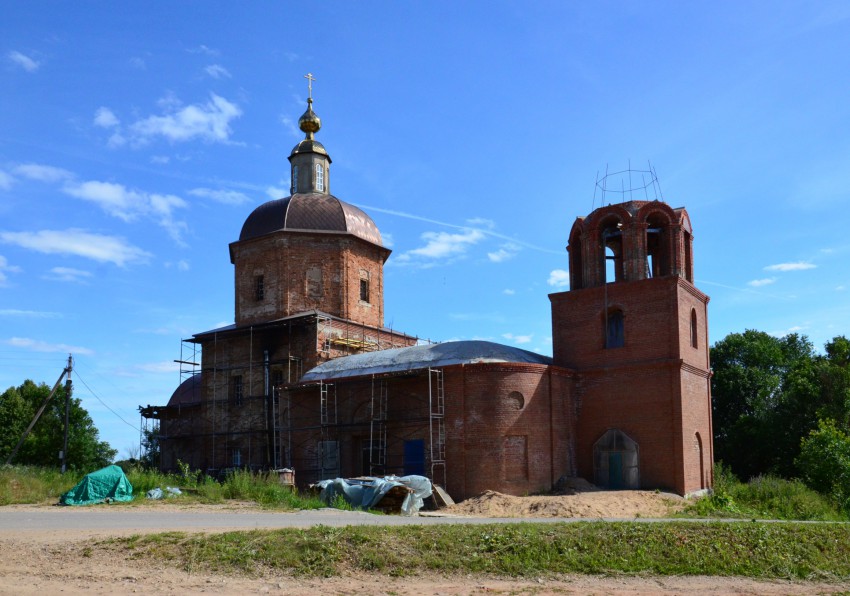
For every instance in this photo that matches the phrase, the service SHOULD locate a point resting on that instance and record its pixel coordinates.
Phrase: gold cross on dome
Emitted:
(310, 79)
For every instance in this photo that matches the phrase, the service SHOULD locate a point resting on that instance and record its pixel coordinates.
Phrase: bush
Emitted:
(764, 496)
(825, 462)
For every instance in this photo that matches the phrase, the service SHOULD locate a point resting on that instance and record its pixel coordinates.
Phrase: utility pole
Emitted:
(68, 387)
(38, 414)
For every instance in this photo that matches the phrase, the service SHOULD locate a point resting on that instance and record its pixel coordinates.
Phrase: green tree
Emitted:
(765, 396)
(150, 447)
(17, 407)
(825, 462)
(834, 378)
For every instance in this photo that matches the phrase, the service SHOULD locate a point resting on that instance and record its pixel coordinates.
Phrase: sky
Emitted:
(136, 138)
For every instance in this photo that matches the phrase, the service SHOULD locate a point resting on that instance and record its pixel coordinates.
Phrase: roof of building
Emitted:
(419, 357)
(303, 315)
(188, 392)
(310, 212)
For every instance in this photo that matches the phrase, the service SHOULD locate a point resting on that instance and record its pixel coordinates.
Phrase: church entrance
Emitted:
(615, 461)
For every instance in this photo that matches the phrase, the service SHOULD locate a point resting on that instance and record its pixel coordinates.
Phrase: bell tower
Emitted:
(634, 327)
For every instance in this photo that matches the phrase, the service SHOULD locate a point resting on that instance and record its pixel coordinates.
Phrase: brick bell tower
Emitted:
(634, 327)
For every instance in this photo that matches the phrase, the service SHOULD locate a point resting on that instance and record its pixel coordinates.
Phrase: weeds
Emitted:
(31, 484)
(25, 484)
(676, 548)
(766, 497)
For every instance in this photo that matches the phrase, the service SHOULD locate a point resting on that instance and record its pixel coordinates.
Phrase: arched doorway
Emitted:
(616, 461)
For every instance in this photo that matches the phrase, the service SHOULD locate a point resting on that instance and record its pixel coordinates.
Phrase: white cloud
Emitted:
(227, 197)
(202, 49)
(217, 71)
(25, 62)
(505, 252)
(167, 366)
(100, 248)
(840, 288)
(105, 118)
(68, 274)
(481, 222)
(116, 140)
(129, 205)
(6, 268)
(160, 159)
(757, 283)
(387, 239)
(797, 266)
(276, 193)
(518, 339)
(42, 173)
(209, 121)
(34, 314)
(508, 292)
(181, 265)
(138, 63)
(291, 126)
(559, 278)
(6, 181)
(113, 198)
(42, 346)
(440, 245)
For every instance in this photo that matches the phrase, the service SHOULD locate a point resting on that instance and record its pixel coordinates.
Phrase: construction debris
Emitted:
(390, 494)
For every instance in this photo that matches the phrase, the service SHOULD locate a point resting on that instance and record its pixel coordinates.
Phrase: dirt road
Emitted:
(51, 550)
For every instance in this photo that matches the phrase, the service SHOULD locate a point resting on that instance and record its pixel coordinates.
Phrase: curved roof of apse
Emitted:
(188, 392)
(310, 212)
(419, 357)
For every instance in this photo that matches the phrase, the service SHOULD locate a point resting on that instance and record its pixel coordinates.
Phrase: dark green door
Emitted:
(615, 470)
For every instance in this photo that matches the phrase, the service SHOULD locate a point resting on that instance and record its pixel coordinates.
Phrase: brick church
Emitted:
(309, 378)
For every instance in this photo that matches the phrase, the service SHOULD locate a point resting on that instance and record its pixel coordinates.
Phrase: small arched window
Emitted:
(320, 177)
(615, 336)
(694, 334)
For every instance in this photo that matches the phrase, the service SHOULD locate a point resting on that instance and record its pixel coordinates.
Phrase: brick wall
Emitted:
(507, 426)
(654, 388)
(307, 271)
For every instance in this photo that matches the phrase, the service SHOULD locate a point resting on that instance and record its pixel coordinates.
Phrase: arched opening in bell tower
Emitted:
(658, 258)
(612, 247)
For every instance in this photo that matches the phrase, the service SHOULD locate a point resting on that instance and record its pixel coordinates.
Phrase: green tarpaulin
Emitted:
(104, 486)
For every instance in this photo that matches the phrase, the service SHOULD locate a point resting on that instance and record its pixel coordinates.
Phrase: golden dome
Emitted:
(309, 122)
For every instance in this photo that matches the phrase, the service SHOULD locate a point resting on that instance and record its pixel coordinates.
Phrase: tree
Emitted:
(18, 406)
(150, 447)
(765, 396)
(825, 462)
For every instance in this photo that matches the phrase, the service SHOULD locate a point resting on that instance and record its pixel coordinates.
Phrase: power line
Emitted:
(136, 428)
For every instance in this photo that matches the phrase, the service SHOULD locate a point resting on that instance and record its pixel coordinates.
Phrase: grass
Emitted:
(764, 497)
(31, 484)
(792, 551)
(28, 484)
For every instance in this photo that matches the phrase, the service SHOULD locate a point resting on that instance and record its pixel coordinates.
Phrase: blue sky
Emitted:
(135, 141)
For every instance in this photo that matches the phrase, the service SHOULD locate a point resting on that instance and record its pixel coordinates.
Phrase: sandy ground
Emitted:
(54, 563)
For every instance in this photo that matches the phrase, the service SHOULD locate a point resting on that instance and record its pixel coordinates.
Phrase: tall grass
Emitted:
(766, 497)
(28, 484)
(31, 484)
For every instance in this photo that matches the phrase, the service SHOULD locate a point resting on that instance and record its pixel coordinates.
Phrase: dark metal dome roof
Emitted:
(310, 212)
(188, 392)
